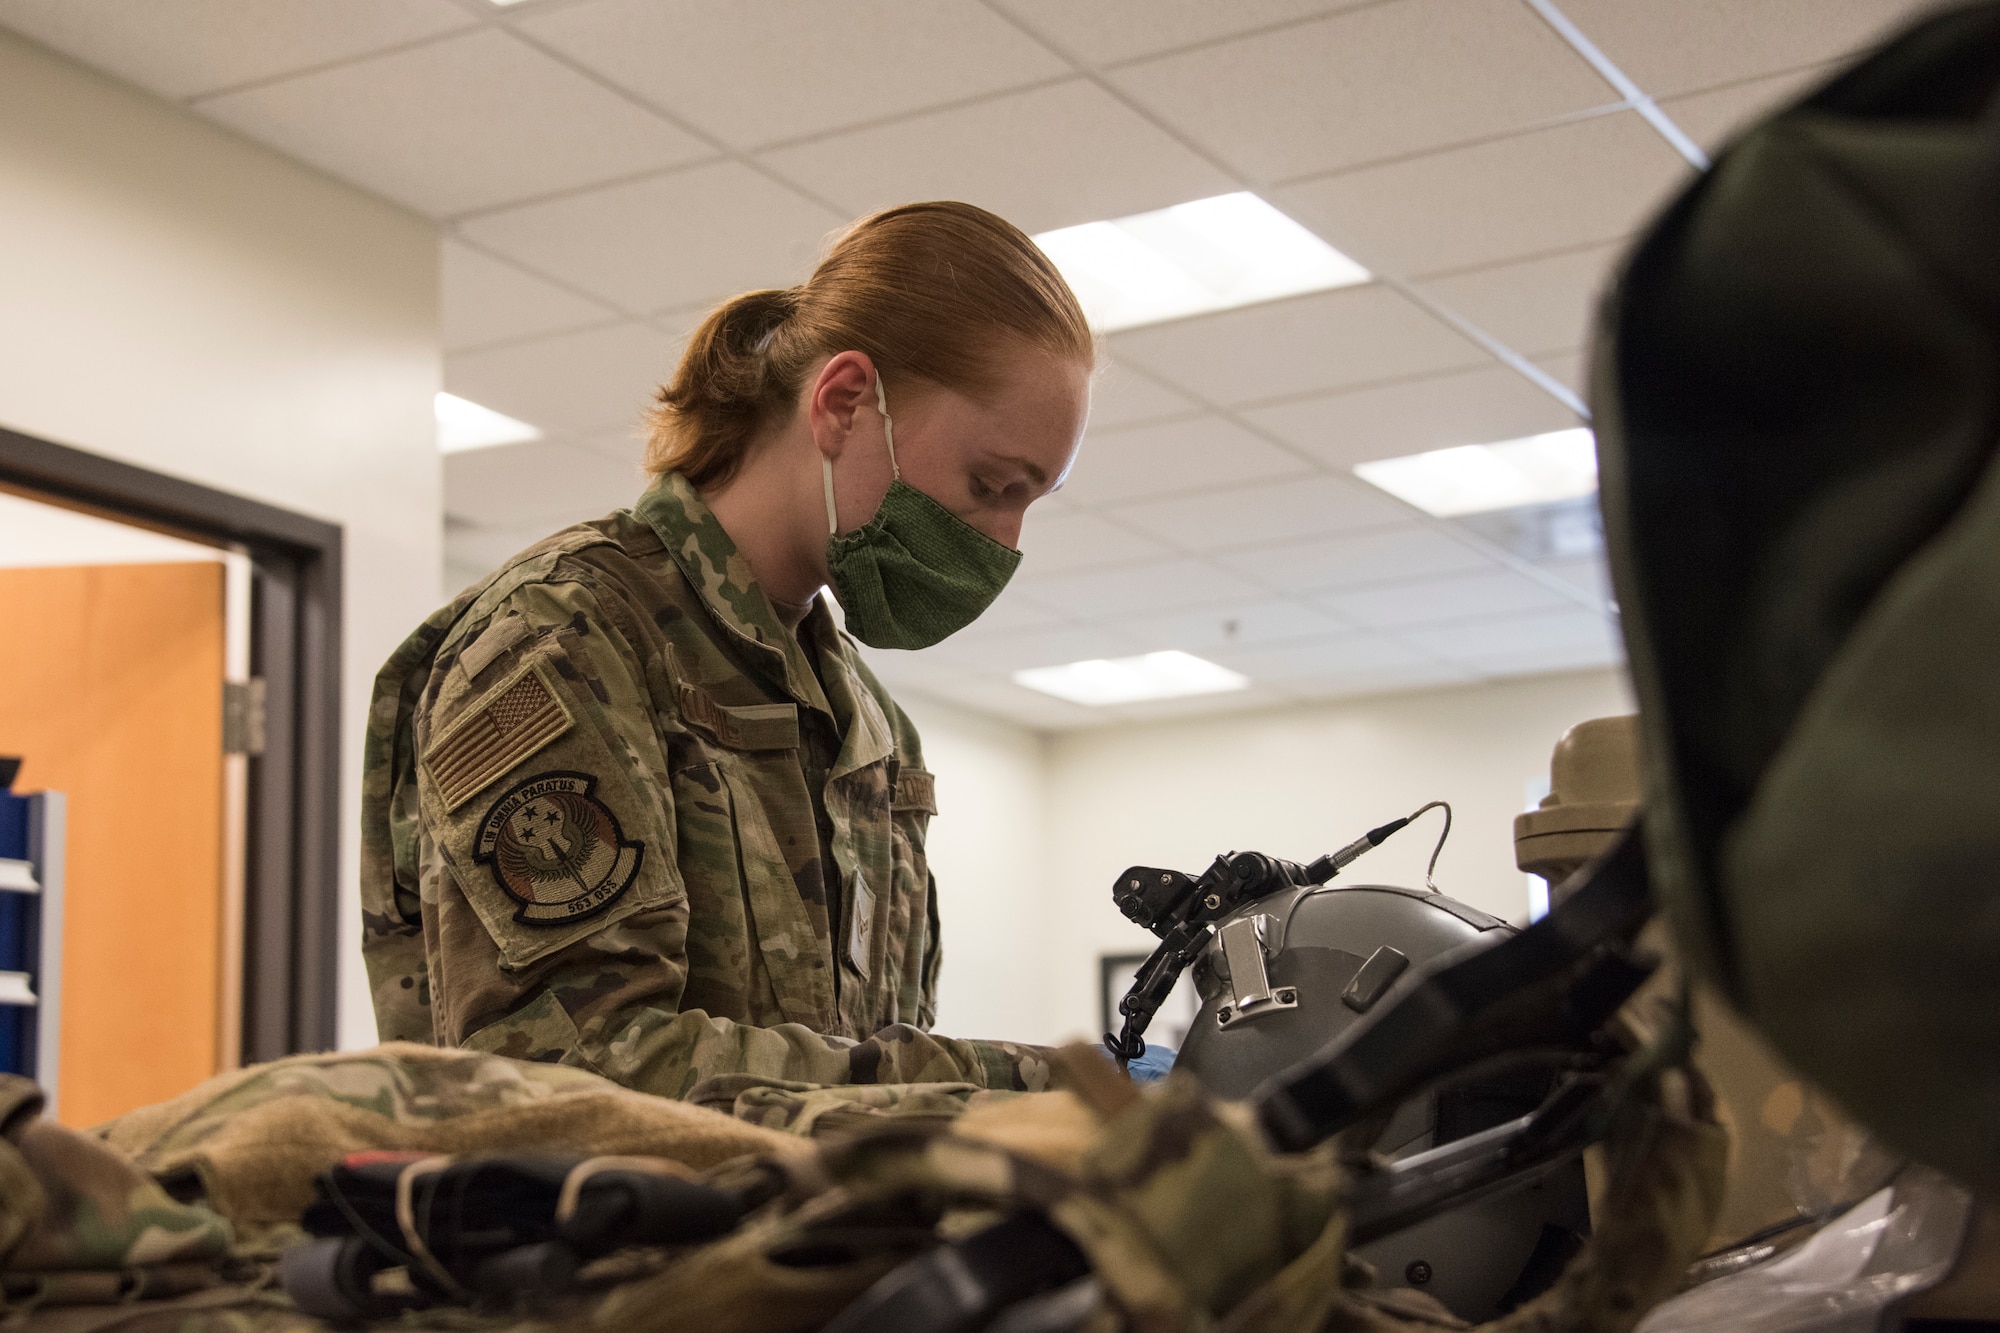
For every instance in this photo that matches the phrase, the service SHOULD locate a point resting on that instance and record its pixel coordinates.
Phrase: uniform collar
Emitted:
(673, 509)
(865, 736)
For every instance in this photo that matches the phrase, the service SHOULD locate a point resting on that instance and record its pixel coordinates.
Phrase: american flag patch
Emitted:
(520, 717)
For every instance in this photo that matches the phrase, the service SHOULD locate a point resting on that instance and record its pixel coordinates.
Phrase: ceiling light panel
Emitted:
(1193, 259)
(463, 424)
(1480, 478)
(1125, 680)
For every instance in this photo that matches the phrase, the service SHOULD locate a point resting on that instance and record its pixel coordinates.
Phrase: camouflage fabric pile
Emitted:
(172, 1217)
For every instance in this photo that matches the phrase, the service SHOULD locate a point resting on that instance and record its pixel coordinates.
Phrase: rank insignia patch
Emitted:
(557, 850)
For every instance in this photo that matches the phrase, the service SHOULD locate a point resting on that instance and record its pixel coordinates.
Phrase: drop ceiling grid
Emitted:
(574, 348)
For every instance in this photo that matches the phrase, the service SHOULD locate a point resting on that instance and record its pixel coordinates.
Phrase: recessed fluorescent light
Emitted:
(1477, 478)
(1192, 259)
(1126, 680)
(463, 424)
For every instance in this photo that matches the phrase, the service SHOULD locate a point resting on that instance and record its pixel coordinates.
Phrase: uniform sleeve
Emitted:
(553, 888)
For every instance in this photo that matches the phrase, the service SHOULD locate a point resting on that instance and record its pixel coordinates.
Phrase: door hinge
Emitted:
(243, 716)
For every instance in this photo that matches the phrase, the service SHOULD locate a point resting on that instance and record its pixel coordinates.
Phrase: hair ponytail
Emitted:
(936, 291)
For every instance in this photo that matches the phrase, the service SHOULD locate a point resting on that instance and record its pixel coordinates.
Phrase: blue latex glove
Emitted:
(1153, 1065)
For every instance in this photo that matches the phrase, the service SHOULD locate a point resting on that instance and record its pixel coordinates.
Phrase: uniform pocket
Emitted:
(742, 897)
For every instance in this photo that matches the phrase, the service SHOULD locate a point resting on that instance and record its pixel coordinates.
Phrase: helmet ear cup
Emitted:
(1319, 945)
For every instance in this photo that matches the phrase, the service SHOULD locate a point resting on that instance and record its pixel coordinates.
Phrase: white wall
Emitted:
(39, 536)
(185, 301)
(1032, 830)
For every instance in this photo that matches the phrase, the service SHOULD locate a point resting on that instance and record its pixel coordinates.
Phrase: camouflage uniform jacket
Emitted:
(596, 796)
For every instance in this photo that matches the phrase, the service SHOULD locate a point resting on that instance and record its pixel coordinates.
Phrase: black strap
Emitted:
(957, 1288)
(1549, 988)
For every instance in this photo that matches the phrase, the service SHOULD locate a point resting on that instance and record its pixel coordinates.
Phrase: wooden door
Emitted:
(111, 690)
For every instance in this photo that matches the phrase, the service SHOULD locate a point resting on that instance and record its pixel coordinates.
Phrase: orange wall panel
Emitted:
(111, 691)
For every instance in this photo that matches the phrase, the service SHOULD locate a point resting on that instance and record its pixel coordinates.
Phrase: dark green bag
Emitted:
(1797, 389)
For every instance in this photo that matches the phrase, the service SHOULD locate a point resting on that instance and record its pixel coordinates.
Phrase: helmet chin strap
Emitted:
(888, 437)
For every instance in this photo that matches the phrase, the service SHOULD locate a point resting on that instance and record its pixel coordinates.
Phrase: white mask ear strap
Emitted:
(826, 464)
(888, 426)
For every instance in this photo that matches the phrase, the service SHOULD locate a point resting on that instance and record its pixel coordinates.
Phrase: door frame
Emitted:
(292, 862)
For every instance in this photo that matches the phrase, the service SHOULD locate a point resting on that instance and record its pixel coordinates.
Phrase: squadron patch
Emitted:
(557, 850)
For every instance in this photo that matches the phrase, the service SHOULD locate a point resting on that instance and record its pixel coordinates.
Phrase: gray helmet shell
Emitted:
(1328, 956)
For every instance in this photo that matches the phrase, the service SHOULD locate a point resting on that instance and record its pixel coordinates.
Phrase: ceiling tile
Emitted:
(1382, 81)
(1231, 625)
(1555, 189)
(195, 46)
(758, 71)
(690, 237)
(524, 484)
(1012, 612)
(1432, 601)
(1438, 412)
(1588, 573)
(1692, 44)
(1187, 455)
(1002, 654)
(1712, 118)
(1349, 684)
(1546, 659)
(1537, 305)
(1347, 654)
(465, 123)
(1099, 594)
(488, 300)
(1122, 396)
(1107, 31)
(1059, 542)
(625, 446)
(1306, 345)
(1573, 631)
(1220, 519)
(1344, 562)
(590, 382)
(1199, 705)
(999, 697)
(1049, 157)
(1568, 367)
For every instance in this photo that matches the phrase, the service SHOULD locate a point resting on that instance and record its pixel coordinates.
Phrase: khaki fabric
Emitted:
(254, 1139)
(1187, 1219)
(616, 816)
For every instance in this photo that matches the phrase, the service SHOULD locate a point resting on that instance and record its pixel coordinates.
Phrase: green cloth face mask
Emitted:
(916, 573)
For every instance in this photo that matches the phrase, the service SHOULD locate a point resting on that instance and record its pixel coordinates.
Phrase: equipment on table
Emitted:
(400, 1231)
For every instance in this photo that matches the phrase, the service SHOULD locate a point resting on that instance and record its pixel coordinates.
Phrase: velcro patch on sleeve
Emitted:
(521, 716)
(494, 640)
(916, 790)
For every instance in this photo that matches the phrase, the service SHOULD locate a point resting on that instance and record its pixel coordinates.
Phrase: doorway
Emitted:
(173, 669)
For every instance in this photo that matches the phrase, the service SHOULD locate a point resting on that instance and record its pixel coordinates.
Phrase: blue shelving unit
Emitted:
(31, 897)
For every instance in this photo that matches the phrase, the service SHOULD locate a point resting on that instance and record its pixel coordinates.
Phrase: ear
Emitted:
(844, 384)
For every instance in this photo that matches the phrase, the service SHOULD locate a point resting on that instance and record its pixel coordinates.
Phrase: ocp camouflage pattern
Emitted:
(1186, 1217)
(682, 921)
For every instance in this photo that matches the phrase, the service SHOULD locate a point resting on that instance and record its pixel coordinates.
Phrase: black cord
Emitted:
(381, 1244)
